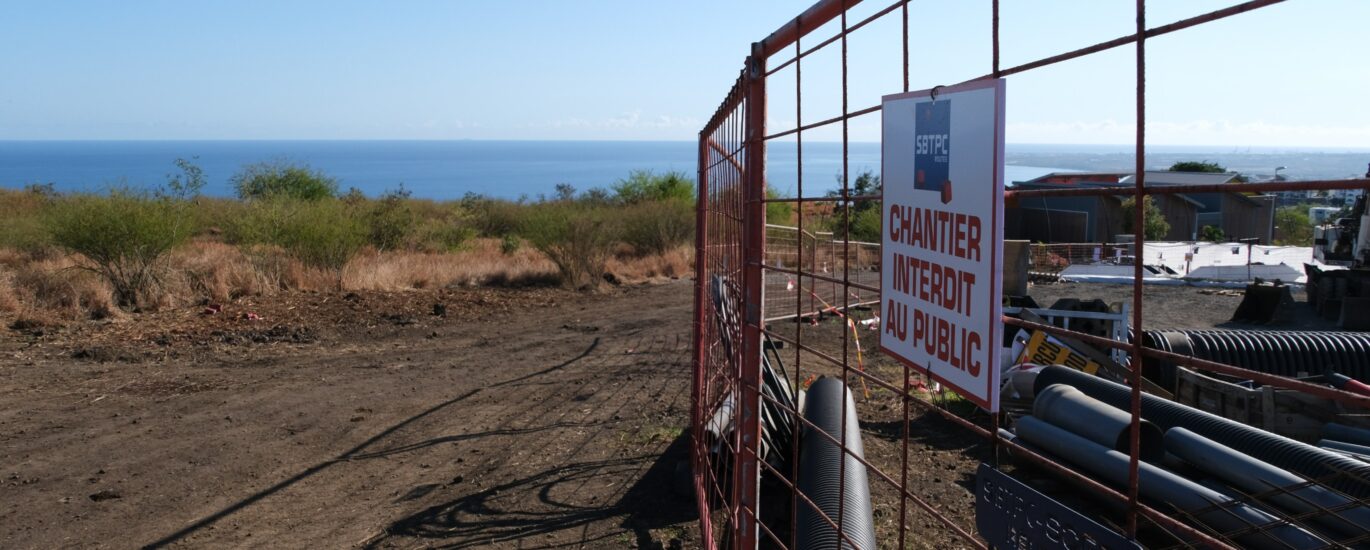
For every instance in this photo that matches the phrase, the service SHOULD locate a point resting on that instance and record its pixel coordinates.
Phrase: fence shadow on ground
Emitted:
(480, 519)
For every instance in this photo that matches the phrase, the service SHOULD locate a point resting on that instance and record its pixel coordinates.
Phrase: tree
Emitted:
(1198, 166)
(1154, 226)
(1293, 226)
(864, 224)
(281, 179)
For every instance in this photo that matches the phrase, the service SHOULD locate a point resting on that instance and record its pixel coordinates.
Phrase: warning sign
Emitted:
(942, 158)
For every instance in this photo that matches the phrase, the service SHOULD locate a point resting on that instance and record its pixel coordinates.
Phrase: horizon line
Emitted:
(549, 140)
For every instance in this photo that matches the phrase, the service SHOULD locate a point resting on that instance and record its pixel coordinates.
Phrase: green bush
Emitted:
(21, 224)
(510, 244)
(281, 179)
(579, 239)
(390, 221)
(324, 233)
(657, 226)
(645, 185)
(122, 236)
(493, 217)
(1212, 234)
(1154, 226)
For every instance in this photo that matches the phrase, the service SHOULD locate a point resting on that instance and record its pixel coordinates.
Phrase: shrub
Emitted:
(281, 179)
(645, 185)
(122, 236)
(1212, 234)
(578, 239)
(510, 244)
(324, 234)
(779, 213)
(390, 222)
(493, 217)
(657, 226)
(1154, 226)
(21, 225)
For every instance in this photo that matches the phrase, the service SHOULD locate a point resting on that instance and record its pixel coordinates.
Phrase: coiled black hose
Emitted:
(1286, 353)
(825, 480)
(1306, 460)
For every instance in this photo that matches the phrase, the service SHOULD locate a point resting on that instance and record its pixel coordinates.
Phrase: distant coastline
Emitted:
(511, 169)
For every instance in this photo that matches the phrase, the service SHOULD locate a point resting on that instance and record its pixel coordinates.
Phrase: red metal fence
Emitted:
(735, 326)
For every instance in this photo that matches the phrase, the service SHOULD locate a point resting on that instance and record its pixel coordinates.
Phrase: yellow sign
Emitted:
(1042, 349)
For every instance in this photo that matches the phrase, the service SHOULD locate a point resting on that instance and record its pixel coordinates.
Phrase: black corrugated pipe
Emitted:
(1286, 353)
(1344, 447)
(825, 479)
(1158, 485)
(1349, 434)
(1082, 415)
(1256, 477)
(1300, 458)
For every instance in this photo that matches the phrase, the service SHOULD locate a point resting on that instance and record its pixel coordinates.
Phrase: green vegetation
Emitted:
(1212, 234)
(1154, 225)
(1198, 166)
(779, 213)
(1293, 226)
(578, 238)
(324, 233)
(122, 236)
(282, 179)
(290, 217)
(865, 218)
(645, 185)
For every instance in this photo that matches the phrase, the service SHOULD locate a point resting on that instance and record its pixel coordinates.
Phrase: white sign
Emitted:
(942, 160)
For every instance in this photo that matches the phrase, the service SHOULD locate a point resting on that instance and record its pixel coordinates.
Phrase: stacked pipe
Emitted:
(1261, 489)
(1286, 353)
(1346, 474)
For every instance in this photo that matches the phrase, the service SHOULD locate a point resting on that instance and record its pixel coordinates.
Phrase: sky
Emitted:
(1293, 74)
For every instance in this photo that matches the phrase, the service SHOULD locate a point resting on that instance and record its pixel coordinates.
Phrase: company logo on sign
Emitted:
(932, 146)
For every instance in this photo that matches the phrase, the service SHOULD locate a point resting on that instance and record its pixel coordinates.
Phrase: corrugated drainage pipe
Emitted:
(1344, 447)
(826, 480)
(1300, 458)
(1159, 485)
(1349, 434)
(1286, 353)
(1255, 477)
(1082, 415)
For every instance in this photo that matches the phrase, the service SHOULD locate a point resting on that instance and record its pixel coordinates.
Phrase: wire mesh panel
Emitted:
(788, 314)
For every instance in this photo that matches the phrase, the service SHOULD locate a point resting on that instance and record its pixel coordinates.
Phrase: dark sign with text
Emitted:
(1009, 514)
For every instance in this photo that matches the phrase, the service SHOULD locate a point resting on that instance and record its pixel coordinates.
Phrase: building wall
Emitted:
(1244, 220)
(1180, 214)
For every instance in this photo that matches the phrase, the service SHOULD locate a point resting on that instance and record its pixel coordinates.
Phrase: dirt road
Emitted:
(509, 418)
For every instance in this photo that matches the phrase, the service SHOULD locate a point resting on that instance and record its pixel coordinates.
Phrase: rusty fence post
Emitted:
(748, 480)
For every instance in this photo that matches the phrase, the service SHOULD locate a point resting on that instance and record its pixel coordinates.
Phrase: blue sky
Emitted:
(1290, 75)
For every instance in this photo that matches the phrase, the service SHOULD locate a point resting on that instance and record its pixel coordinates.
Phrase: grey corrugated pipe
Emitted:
(825, 479)
(1300, 458)
(1082, 415)
(1161, 486)
(1255, 477)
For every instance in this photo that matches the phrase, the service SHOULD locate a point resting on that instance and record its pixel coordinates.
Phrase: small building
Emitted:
(1100, 218)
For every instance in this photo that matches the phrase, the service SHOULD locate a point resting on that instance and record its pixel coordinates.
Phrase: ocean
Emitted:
(514, 169)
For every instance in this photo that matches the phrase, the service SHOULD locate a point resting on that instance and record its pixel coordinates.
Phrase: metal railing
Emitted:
(737, 270)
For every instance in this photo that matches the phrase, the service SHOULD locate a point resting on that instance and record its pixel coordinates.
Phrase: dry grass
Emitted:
(674, 263)
(481, 263)
(58, 287)
(52, 287)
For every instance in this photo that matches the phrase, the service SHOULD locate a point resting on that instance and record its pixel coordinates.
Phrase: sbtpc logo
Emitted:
(932, 147)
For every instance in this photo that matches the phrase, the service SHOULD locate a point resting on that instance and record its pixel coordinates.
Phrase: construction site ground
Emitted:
(528, 418)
